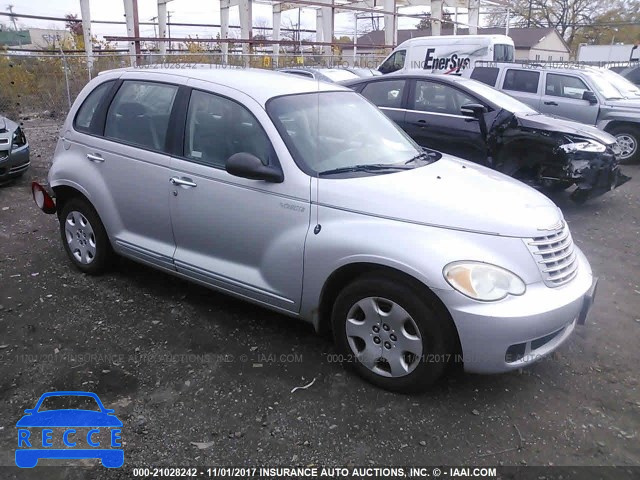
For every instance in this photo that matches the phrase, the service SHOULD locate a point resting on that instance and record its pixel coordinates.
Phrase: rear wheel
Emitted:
(628, 138)
(84, 237)
(391, 334)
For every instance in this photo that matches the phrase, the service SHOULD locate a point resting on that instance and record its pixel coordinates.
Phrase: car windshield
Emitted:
(497, 97)
(64, 402)
(628, 89)
(325, 131)
(604, 86)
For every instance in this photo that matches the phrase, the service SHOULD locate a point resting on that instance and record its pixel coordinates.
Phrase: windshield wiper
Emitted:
(376, 167)
(422, 156)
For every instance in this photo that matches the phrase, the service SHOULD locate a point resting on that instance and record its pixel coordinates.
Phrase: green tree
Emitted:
(571, 18)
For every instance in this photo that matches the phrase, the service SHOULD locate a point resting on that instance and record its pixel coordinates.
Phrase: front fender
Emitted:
(416, 250)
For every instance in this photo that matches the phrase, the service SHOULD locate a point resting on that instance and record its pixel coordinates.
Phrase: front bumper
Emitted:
(598, 181)
(518, 331)
(14, 163)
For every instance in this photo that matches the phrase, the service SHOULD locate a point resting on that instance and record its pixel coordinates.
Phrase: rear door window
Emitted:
(387, 93)
(521, 81)
(139, 114)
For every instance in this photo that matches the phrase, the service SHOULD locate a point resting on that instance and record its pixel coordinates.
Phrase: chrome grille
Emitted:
(555, 256)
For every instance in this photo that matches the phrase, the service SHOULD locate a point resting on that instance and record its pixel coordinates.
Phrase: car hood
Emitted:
(561, 125)
(69, 418)
(630, 103)
(449, 193)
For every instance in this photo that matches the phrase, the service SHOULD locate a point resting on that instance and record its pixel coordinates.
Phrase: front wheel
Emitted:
(628, 138)
(391, 334)
(84, 237)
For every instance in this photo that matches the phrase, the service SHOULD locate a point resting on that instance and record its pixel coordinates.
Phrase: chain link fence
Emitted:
(45, 85)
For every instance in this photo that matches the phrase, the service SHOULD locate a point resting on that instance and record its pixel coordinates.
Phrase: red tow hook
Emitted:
(42, 198)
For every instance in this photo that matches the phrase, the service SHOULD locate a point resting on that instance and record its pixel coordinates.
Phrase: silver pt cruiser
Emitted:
(304, 198)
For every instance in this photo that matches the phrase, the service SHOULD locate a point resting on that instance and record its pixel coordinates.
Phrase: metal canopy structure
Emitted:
(326, 10)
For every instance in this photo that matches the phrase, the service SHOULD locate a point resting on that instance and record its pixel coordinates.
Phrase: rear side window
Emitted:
(565, 86)
(218, 127)
(521, 81)
(386, 93)
(87, 110)
(139, 113)
(487, 75)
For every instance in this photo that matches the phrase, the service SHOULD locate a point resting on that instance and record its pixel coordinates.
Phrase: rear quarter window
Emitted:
(87, 110)
(487, 75)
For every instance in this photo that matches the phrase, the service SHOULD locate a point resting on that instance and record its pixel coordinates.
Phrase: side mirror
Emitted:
(590, 97)
(246, 165)
(473, 110)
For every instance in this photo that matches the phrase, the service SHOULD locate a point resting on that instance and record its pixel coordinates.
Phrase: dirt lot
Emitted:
(182, 365)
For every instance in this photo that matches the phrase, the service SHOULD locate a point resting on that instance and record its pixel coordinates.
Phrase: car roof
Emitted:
(257, 83)
(407, 76)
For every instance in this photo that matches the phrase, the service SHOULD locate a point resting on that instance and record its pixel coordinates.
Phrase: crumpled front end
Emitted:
(592, 166)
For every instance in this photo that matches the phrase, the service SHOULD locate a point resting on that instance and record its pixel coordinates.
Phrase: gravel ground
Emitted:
(199, 378)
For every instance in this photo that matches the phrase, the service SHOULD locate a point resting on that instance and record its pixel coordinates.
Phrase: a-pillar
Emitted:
(85, 11)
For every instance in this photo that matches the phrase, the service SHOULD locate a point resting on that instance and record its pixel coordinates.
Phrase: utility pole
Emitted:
(169, 27)
(12, 17)
(529, 16)
(155, 33)
(136, 31)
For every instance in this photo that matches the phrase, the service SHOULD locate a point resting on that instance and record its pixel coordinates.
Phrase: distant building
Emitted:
(608, 53)
(531, 43)
(34, 38)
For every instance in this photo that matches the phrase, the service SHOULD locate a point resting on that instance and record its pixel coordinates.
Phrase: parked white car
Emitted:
(303, 197)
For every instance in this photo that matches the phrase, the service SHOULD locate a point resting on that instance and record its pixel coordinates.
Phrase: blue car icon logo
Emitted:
(69, 433)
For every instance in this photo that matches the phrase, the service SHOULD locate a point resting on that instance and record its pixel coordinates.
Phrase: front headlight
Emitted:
(590, 146)
(18, 140)
(483, 281)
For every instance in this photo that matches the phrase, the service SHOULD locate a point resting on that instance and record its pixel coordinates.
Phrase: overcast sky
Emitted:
(186, 11)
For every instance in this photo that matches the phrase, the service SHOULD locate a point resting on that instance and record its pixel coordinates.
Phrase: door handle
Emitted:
(551, 103)
(421, 123)
(95, 157)
(185, 182)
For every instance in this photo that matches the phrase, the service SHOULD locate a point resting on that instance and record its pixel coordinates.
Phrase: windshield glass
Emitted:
(332, 130)
(503, 53)
(625, 87)
(495, 96)
(604, 87)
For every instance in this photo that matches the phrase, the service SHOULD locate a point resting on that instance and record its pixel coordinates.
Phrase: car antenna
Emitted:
(318, 227)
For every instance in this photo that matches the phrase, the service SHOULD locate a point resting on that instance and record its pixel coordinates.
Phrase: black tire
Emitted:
(634, 133)
(99, 241)
(435, 328)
